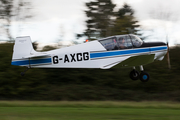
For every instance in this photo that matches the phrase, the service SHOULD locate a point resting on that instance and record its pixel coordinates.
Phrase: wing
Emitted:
(138, 60)
(132, 61)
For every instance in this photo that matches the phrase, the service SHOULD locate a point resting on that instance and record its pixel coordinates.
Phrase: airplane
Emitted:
(127, 50)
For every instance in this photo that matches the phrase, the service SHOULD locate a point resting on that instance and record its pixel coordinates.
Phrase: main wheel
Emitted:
(134, 75)
(144, 76)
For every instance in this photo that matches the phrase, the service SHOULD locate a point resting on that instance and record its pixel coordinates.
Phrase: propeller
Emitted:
(168, 58)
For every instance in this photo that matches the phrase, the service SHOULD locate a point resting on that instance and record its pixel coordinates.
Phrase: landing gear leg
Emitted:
(144, 76)
(23, 73)
(134, 74)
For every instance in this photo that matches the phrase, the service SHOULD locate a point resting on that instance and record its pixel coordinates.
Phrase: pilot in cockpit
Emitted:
(122, 43)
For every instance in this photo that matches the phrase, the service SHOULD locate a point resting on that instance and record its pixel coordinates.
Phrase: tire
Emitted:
(134, 75)
(144, 76)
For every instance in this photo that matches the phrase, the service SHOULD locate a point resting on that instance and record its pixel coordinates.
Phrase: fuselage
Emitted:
(102, 53)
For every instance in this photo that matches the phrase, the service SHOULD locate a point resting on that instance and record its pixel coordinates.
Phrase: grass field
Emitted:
(100, 110)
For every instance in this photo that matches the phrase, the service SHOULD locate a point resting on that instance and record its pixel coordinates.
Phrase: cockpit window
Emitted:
(121, 42)
(137, 42)
(124, 42)
(116, 43)
(109, 43)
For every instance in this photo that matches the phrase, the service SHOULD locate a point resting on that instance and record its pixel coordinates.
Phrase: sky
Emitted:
(55, 20)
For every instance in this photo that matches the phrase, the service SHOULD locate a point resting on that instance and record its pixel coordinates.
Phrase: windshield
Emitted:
(137, 42)
(109, 43)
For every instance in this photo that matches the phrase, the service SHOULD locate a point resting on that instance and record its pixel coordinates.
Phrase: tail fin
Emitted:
(25, 55)
(22, 47)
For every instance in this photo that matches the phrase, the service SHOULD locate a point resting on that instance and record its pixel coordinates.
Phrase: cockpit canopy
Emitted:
(121, 42)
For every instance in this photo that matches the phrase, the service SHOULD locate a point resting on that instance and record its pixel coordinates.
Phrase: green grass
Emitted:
(106, 110)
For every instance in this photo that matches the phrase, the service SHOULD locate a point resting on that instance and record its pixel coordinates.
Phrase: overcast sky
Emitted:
(55, 19)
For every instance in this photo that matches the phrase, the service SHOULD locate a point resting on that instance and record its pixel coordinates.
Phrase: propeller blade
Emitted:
(168, 58)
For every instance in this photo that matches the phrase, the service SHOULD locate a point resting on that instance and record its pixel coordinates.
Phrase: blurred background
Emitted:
(59, 23)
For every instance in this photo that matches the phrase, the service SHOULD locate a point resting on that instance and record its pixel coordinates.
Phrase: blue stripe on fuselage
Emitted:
(31, 62)
(40, 61)
(125, 52)
(22, 62)
(158, 48)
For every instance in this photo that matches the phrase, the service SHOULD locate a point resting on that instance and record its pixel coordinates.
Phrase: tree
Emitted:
(103, 21)
(99, 15)
(35, 45)
(12, 10)
(125, 22)
(48, 48)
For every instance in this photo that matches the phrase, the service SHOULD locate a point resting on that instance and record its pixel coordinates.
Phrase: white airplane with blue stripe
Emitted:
(126, 50)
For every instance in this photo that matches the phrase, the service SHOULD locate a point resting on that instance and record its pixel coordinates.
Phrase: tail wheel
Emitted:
(144, 76)
(134, 75)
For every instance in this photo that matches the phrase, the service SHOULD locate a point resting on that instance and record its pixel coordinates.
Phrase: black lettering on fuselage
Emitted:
(79, 56)
(66, 59)
(72, 57)
(55, 60)
(86, 56)
(76, 57)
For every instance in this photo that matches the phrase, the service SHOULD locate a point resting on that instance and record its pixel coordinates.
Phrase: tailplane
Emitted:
(25, 55)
